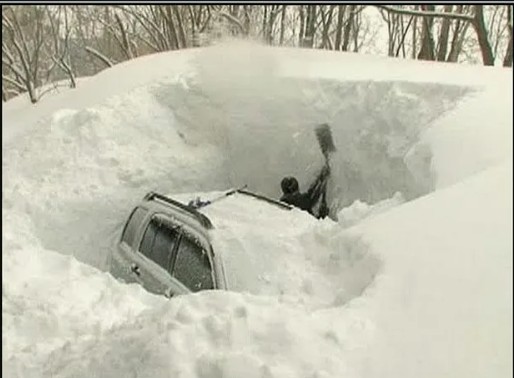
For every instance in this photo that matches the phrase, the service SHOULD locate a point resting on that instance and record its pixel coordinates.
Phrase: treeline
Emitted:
(44, 44)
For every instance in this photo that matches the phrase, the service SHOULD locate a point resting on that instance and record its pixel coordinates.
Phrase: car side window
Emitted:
(192, 266)
(135, 219)
(159, 243)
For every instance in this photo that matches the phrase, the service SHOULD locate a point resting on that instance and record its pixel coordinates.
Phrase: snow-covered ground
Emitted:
(413, 278)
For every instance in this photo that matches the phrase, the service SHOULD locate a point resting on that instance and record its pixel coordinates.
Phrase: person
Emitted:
(306, 201)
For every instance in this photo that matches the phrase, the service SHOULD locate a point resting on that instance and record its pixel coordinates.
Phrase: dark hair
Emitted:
(289, 185)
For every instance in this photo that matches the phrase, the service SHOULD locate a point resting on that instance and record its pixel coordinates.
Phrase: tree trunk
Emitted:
(282, 24)
(414, 37)
(444, 35)
(390, 34)
(182, 33)
(427, 41)
(32, 92)
(348, 27)
(172, 33)
(310, 26)
(302, 26)
(271, 21)
(234, 11)
(356, 28)
(455, 38)
(403, 37)
(483, 40)
(327, 22)
(339, 28)
(458, 38)
(125, 45)
(507, 60)
(265, 23)
(246, 20)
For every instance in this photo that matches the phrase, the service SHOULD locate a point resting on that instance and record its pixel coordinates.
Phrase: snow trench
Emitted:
(269, 133)
(204, 132)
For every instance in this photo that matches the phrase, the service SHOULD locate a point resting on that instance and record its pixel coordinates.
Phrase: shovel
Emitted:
(327, 146)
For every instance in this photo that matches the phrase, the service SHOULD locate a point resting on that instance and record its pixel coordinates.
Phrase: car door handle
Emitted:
(135, 269)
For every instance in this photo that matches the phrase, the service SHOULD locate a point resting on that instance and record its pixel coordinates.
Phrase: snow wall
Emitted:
(229, 117)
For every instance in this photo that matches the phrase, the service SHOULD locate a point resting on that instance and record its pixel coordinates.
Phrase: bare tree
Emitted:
(326, 13)
(482, 36)
(21, 49)
(282, 24)
(428, 13)
(61, 47)
(444, 35)
(42, 44)
(348, 27)
(310, 26)
(341, 9)
(459, 29)
(100, 56)
(507, 60)
(397, 31)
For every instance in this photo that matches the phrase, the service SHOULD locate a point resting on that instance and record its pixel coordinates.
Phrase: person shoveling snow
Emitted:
(308, 200)
(318, 190)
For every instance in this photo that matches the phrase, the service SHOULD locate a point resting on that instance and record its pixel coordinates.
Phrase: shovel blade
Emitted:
(325, 140)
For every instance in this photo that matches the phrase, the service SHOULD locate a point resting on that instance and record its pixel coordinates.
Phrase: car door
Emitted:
(192, 265)
(155, 254)
(122, 260)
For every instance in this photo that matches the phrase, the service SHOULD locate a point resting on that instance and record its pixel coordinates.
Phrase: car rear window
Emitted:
(135, 219)
(192, 266)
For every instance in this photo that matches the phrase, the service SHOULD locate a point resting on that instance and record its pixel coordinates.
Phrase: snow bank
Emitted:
(50, 300)
(359, 210)
(475, 136)
(321, 271)
(93, 164)
(219, 335)
(444, 307)
(93, 91)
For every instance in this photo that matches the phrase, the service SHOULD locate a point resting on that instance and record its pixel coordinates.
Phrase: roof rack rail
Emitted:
(202, 218)
(264, 198)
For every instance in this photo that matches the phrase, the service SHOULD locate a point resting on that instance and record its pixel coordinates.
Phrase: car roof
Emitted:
(255, 239)
(177, 213)
(168, 204)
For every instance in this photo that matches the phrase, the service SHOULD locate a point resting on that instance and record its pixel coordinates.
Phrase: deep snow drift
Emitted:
(421, 286)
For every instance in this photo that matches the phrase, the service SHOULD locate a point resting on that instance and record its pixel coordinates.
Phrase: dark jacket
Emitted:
(307, 201)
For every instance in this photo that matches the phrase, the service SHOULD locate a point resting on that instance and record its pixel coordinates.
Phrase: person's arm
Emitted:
(318, 185)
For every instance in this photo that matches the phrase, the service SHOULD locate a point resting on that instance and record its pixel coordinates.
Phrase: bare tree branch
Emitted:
(18, 85)
(411, 12)
(233, 20)
(100, 56)
(124, 43)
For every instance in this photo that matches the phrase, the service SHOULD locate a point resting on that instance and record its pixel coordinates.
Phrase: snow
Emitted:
(457, 301)
(413, 279)
(473, 127)
(358, 210)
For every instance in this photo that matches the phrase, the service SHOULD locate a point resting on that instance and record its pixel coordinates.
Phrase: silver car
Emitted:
(165, 246)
